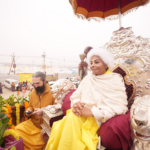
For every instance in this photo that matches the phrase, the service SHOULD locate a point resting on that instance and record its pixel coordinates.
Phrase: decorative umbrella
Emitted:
(101, 9)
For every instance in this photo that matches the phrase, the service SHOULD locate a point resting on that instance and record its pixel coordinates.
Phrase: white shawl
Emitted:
(104, 94)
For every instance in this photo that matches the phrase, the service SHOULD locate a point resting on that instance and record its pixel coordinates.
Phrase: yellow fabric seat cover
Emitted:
(74, 133)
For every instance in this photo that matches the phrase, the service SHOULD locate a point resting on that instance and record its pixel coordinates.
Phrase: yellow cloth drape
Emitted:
(25, 77)
(74, 133)
(31, 135)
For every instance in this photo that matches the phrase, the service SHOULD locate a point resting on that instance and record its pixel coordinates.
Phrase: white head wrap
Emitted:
(106, 56)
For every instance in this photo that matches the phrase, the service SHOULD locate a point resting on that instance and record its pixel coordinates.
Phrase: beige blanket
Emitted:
(104, 94)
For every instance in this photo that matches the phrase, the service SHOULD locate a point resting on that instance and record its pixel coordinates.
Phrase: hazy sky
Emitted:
(30, 27)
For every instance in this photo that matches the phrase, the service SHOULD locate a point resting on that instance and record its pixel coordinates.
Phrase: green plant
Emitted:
(21, 100)
(12, 100)
(2, 102)
(4, 120)
(3, 125)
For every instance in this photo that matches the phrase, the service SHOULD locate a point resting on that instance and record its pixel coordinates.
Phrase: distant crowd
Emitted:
(22, 87)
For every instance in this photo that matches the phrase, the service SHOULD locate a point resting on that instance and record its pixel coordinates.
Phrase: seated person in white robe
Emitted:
(100, 96)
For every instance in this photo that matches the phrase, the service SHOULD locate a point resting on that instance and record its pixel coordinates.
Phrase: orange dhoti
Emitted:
(31, 135)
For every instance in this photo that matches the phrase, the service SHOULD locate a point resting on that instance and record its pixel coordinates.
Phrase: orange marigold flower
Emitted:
(9, 122)
(12, 127)
(9, 108)
(26, 104)
(26, 118)
(8, 115)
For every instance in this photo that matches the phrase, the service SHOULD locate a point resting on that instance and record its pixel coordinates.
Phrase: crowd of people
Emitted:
(22, 87)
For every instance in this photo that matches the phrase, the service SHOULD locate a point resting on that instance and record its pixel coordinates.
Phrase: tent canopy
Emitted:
(25, 77)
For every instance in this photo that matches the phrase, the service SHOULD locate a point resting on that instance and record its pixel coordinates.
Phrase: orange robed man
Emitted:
(30, 130)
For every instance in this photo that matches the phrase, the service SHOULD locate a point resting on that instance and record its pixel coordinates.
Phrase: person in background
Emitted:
(1, 90)
(83, 65)
(28, 86)
(32, 87)
(20, 85)
(26, 83)
(13, 86)
(18, 90)
(23, 90)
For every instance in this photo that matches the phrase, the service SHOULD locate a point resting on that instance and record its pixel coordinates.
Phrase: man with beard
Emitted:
(30, 130)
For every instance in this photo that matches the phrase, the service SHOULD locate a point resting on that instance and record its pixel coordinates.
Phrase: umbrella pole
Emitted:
(119, 14)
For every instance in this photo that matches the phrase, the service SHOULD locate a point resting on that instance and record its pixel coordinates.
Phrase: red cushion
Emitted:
(115, 133)
(52, 120)
(66, 103)
(129, 88)
(10, 141)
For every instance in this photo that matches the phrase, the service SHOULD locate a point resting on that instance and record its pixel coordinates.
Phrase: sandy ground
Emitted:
(7, 92)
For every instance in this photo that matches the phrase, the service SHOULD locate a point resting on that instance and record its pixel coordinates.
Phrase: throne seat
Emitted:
(130, 86)
(132, 62)
(49, 119)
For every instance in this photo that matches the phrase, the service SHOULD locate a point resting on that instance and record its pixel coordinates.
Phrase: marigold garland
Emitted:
(17, 113)
(12, 127)
(26, 105)
(11, 132)
(5, 110)
(9, 113)
(8, 108)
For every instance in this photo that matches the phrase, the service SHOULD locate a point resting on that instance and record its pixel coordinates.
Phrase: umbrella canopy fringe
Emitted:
(134, 9)
(114, 17)
(98, 19)
(88, 19)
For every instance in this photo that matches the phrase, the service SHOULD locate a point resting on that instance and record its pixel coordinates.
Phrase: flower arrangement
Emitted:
(7, 106)
(9, 113)
(17, 105)
(6, 110)
(17, 113)
(11, 132)
(5, 121)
